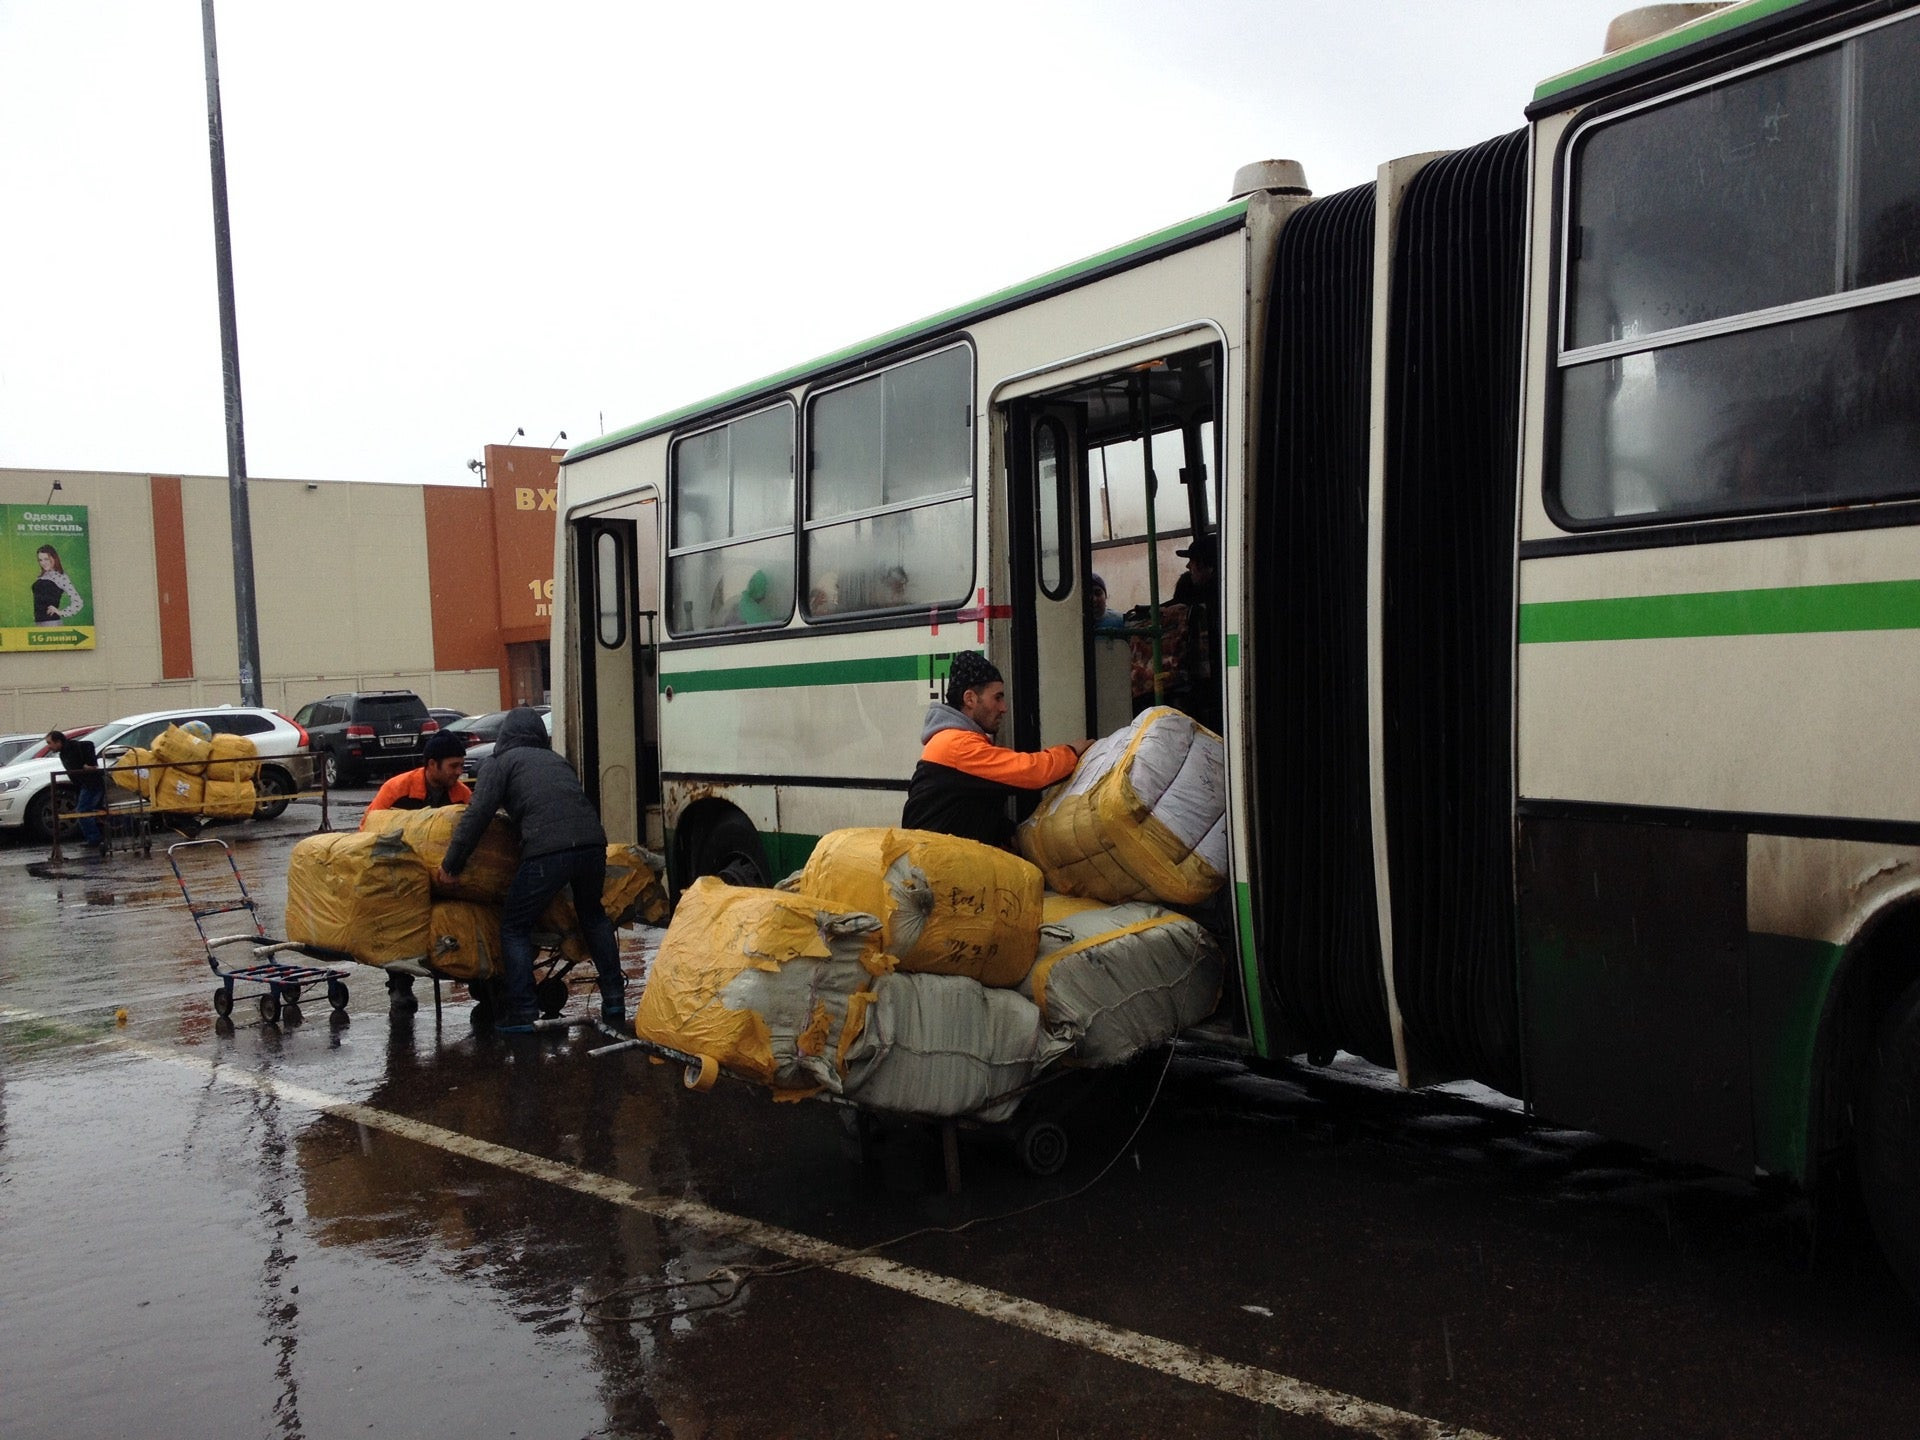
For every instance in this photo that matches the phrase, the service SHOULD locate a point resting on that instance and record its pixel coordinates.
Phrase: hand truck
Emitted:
(281, 981)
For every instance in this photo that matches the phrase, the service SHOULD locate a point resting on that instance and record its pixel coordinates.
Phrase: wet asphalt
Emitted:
(362, 1227)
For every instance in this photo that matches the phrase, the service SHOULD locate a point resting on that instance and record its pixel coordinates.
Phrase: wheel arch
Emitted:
(1879, 960)
(693, 822)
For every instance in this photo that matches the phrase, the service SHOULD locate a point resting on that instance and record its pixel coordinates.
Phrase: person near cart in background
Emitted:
(82, 765)
(562, 844)
(963, 781)
(434, 784)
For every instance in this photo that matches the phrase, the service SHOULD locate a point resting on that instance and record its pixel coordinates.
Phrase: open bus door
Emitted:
(1120, 468)
(617, 557)
(1054, 698)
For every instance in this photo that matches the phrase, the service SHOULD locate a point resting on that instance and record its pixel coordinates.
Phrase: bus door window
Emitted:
(1045, 505)
(617, 560)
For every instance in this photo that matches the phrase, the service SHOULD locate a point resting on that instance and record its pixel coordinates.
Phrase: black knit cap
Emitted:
(443, 745)
(970, 671)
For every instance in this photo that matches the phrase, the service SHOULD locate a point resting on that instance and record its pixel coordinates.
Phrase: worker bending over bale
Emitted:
(561, 844)
(963, 781)
(434, 784)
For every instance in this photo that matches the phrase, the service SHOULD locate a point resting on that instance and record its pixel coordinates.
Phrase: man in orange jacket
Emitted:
(963, 781)
(434, 784)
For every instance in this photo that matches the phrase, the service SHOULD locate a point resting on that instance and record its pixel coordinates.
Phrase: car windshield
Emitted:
(12, 747)
(484, 727)
(110, 734)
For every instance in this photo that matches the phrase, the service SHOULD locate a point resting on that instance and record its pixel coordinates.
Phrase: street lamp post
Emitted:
(246, 619)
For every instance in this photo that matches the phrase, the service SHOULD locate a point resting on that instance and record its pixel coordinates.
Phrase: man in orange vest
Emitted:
(963, 781)
(435, 783)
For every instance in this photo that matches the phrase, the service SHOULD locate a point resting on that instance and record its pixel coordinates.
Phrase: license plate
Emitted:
(396, 741)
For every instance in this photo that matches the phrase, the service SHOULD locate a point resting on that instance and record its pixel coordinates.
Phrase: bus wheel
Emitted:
(729, 846)
(1889, 1139)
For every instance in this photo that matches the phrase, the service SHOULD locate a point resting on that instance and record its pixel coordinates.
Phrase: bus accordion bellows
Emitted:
(1564, 491)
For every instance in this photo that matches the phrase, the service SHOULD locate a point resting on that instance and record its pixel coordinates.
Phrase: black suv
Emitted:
(366, 730)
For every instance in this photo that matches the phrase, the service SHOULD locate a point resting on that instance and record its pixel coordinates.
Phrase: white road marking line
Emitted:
(1165, 1357)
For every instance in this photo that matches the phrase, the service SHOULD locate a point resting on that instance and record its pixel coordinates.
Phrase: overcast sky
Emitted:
(453, 220)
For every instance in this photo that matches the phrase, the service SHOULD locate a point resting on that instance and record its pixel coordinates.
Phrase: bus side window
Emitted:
(889, 515)
(1702, 377)
(730, 551)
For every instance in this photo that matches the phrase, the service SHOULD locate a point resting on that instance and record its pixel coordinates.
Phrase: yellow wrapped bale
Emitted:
(235, 759)
(134, 771)
(365, 895)
(761, 981)
(633, 884)
(1144, 817)
(229, 799)
(949, 906)
(178, 790)
(1115, 980)
(466, 940)
(175, 746)
(428, 833)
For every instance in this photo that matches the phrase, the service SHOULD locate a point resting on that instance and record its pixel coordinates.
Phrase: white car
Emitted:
(26, 786)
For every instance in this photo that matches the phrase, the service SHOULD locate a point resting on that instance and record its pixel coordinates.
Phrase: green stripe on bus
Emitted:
(786, 852)
(1250, 967)
(1233, 651)
(1798, 610)
(874, 670)
(1717, 23)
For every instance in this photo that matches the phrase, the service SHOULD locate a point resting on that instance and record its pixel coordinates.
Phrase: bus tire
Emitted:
(728, 846)
(1888, 1140)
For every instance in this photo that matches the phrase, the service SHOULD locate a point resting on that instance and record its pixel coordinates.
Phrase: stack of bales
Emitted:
(192, 771)
(923, 974)
(370, 894)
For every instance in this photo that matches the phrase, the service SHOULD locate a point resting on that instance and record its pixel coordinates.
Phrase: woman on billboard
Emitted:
(53, 583)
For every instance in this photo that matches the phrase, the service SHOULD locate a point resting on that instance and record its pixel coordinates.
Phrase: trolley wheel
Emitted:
(703, 1075)
(290, 994)
(1042, 1148)
(337, 994)
(223, 1002)
(270, 1007)
(551, 996)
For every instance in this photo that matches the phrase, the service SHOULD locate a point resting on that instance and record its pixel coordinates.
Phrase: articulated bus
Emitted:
(1565, 490)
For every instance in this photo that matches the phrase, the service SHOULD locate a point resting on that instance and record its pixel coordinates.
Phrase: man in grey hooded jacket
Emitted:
(561, 844)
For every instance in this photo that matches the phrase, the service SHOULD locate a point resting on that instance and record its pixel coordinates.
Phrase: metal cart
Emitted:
(1034, 1132)
(281, 981)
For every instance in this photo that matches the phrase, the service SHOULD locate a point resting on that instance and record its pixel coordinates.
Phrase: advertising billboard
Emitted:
(46, 579)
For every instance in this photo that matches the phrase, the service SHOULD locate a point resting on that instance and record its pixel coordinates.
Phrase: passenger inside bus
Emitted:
(1101, 620)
